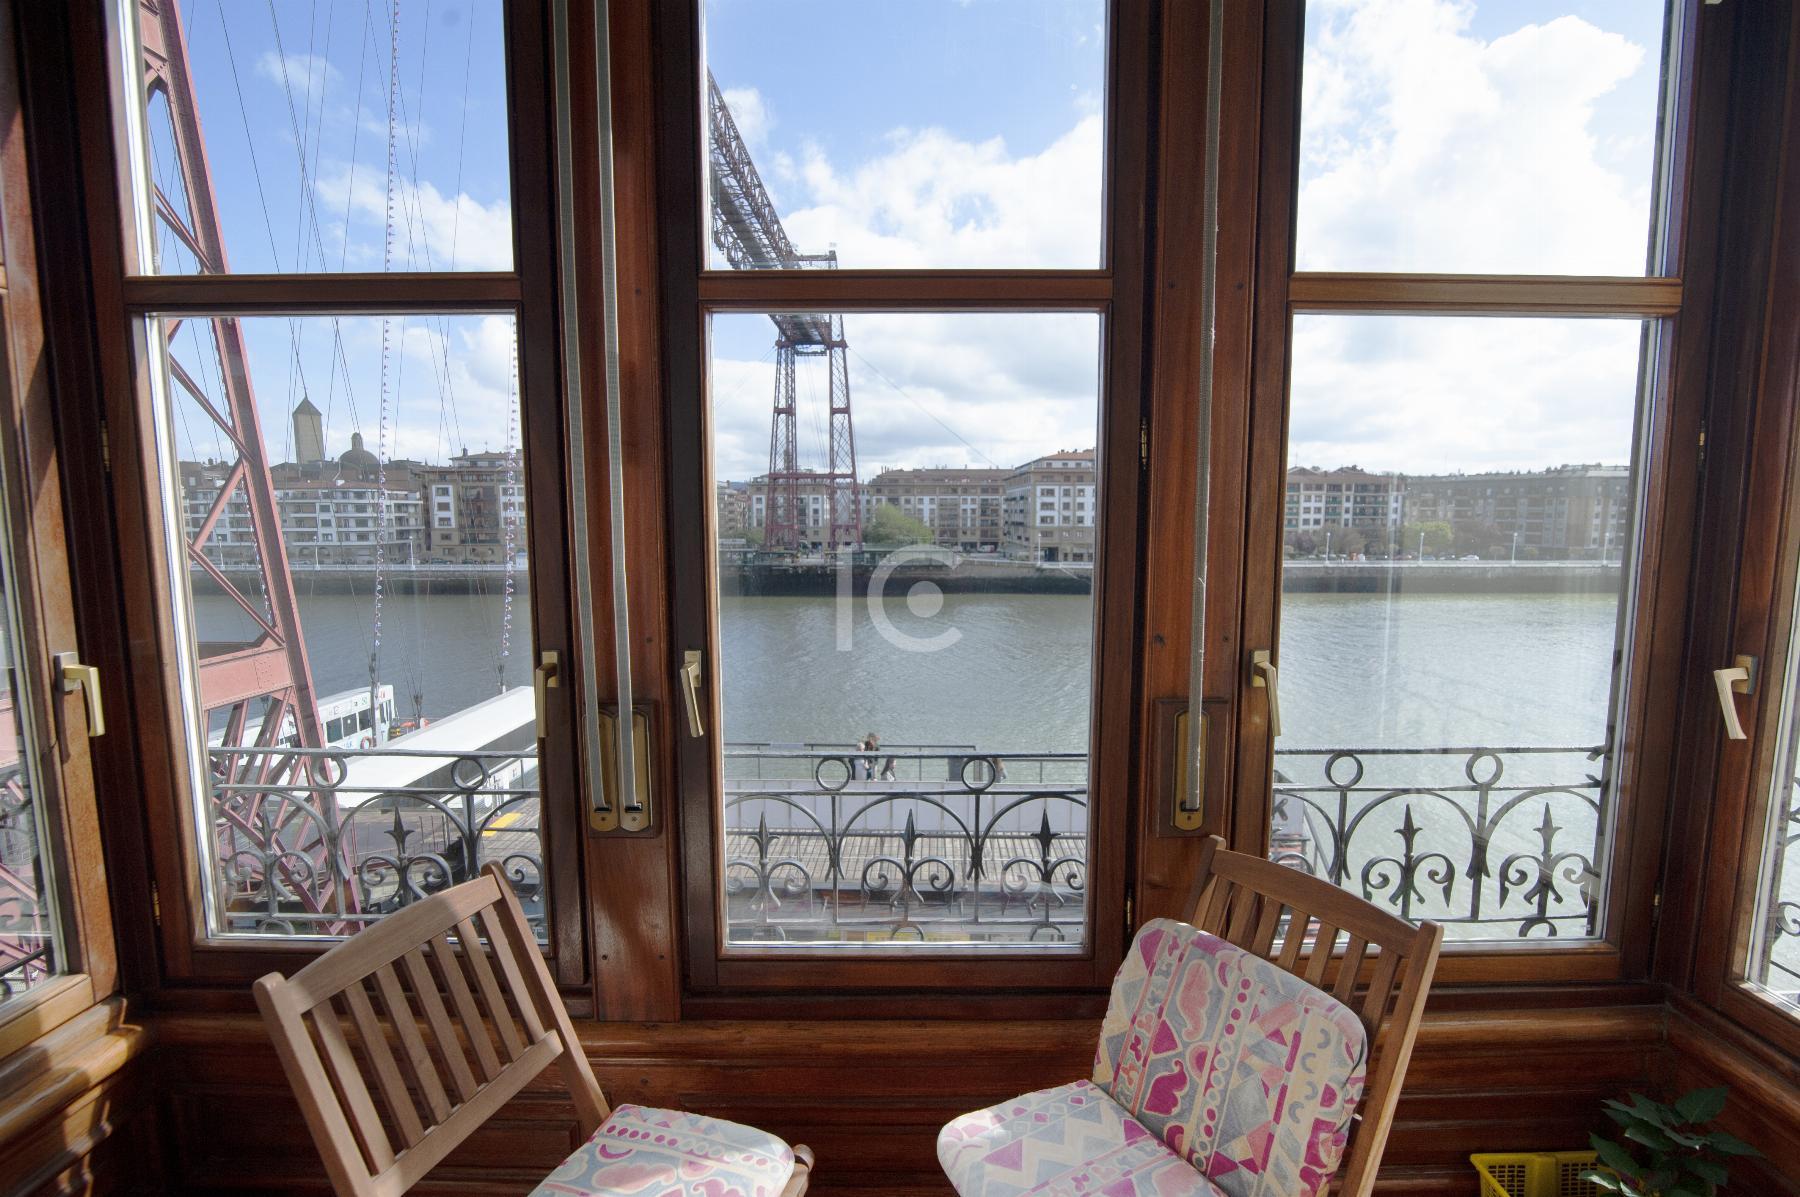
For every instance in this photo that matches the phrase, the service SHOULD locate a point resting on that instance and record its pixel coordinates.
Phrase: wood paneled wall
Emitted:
(869, 1097)
(78, 1111)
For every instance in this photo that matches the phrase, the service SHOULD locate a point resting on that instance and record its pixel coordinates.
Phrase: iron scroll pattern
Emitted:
(1501, 844)
(1778, 945)
(321, 842)
(27, 940)
(905, 846)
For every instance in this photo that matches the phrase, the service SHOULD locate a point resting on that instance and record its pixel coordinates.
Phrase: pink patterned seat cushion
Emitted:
(1070, 1141)
(644, 1152)
(1242, 1068)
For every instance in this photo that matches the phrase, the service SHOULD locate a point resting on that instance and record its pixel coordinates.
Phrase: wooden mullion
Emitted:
(1475, 295)
(931, 290)
(300, 294)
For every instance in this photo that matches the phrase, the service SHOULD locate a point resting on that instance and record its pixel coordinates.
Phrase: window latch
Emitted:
(691, 663)
(1739, 679)
(1264, 675)
(75, 676)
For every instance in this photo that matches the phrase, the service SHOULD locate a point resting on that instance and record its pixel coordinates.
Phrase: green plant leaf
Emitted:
(1710, 1170)
(1606, 1180)
(1653, 1112)
(1651, 1137)
(1622, 1115)
(1702, 1105)
(1615, 1157)
(1729, 1144)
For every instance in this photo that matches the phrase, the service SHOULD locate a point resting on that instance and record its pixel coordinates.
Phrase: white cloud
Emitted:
(429, 226)
(926, 389)
(934, 200)
(1443, 395)
(1427, 148)
(750, 113)
(302, 74)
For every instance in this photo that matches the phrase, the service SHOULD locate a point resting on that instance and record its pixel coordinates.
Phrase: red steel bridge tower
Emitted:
(263, 683)
(748, 232)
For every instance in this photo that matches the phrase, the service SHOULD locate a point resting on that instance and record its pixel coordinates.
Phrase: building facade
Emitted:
(1051, 508)
(1348, 498)
(962, 507)
(1572, 511)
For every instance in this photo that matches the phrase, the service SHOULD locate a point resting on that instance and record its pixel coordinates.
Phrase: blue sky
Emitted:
(1439, 135)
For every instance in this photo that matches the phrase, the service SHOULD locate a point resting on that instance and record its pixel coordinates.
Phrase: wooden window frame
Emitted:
(1669, 458)
(124, 297)
(1751, 553)
(743, 979)
(42, 581)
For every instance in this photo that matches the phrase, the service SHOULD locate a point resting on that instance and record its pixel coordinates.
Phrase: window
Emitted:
(357, 710)
(906, 710)
(1774, 955)
(1456, 657)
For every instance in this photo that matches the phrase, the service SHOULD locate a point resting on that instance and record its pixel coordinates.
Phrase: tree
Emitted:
(888, 525)
(1438, 537)
(1344, 542)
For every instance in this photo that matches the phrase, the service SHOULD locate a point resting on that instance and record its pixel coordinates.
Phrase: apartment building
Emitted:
(1051, 508)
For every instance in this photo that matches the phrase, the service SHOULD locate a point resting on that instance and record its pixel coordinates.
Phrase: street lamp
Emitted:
(1421, 546)
(1328, 546)
(1515, 557)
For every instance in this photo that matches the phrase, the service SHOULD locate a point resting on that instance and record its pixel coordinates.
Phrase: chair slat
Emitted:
(1293, 940)
(1263, 940)
(1214, 918)
(348, 1080)
(509, 969)
(1238, 929)
(1381, 991)
(1324, 943)
(476, 955)
(1348, 967)
(443, 1031)
(381, 1059)
(457, 982)
(415, 1057)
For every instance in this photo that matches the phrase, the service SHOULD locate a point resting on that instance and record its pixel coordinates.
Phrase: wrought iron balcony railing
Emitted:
(934, 844)
(1492, 842)
(323, 841)
(904, 843)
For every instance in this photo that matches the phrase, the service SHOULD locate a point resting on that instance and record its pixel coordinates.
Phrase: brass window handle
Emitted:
(1739, 679)
(73, 675)
(689, 677)
(1264, 675)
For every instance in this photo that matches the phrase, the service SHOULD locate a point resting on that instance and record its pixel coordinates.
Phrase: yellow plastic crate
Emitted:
(1535, 1174)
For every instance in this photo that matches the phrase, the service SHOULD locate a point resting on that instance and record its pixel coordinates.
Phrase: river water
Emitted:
(1012, 673)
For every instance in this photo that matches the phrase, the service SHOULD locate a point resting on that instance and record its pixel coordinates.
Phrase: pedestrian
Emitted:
(865, 766)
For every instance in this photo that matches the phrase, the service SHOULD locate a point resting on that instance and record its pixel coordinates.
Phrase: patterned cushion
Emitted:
(1064, 1142)
(666, 1153)
(1244, 1069)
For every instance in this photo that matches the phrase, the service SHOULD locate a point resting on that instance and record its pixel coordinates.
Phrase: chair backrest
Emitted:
(420, 1028)
(1244, 1070)
(1296, 921)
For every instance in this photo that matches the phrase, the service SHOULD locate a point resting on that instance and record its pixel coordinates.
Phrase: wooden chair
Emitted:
(1197, 1086)
(491, 1022)
(1250, 901)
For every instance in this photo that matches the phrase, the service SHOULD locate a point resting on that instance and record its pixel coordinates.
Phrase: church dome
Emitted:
(356, 457)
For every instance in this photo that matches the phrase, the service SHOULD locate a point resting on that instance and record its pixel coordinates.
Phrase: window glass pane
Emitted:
(1499, 136)
(293, 137)
(905, 133)
(1458, 531)
(30, 951)
(1774, 966)
(299, 454)
(905, 625)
